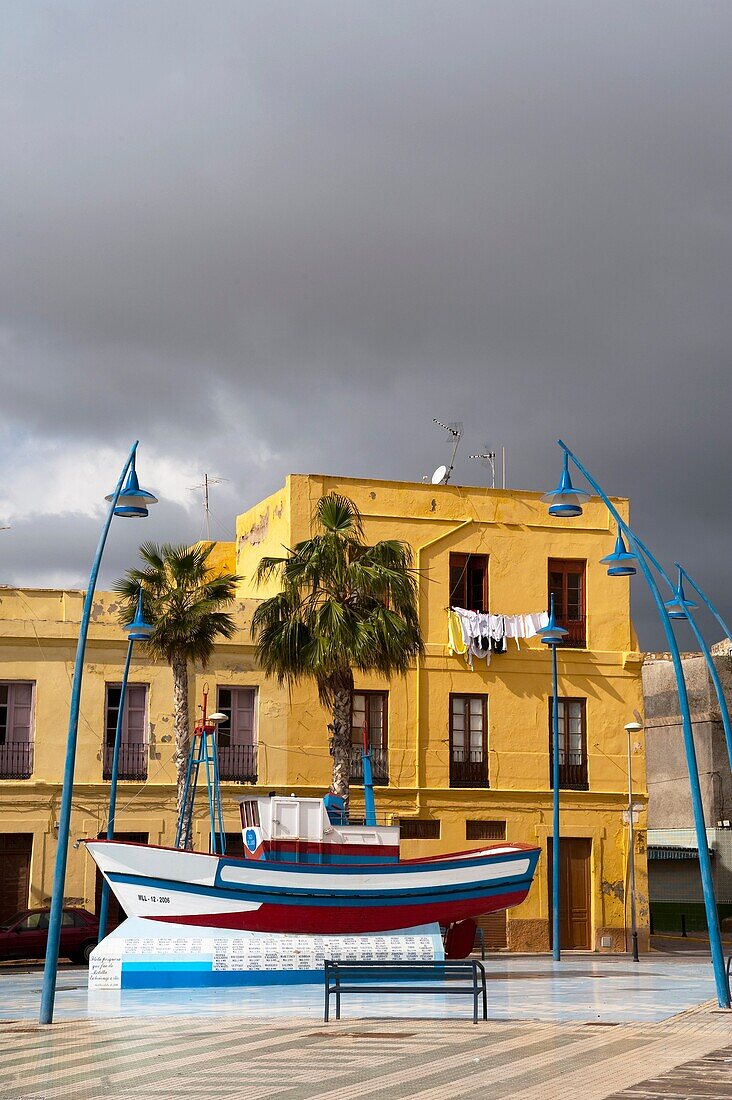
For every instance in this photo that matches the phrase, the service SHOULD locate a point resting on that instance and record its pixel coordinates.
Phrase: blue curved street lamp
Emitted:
(553, 635)
(131, 502)
(643, 557)
(621, 563)
(679, 607)
(139, 630)
(565, 500)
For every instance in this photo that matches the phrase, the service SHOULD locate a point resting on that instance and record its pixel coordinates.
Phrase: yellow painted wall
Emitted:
(222, 558)
(38, 632)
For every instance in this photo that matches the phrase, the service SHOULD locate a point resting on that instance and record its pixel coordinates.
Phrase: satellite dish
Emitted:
(439, 477)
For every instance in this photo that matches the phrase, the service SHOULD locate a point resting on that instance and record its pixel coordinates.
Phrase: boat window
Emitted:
(250, 814)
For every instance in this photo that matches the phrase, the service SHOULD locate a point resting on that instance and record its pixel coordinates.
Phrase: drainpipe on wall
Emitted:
(417, 717)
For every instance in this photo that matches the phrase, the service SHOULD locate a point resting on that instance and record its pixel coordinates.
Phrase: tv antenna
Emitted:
(204, 487)
(441, 475)
(488, 459)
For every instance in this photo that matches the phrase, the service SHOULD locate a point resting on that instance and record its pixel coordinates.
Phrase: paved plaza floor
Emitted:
(589, 1028)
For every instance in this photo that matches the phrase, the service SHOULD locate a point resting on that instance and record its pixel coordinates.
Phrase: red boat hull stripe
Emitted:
(333, 921)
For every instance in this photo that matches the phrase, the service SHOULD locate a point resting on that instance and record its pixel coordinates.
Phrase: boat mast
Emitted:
(203, 752)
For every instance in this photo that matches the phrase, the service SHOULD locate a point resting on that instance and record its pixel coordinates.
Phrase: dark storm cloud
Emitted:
(282, 236)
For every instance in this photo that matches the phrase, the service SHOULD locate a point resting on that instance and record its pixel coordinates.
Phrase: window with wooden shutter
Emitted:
(369, 711)
(416, 828)
(485, 830)
(468, 741)
(133, 731)
(16, 729)
(469, 581)
(572, 744)
(236, 735)
(567, 586)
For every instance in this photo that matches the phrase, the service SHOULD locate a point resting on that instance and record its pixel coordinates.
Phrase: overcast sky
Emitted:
(271, 237)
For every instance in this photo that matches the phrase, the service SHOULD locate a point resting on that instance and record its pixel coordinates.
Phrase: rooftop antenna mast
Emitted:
(441, 476)
(205, 485)
(488, 459)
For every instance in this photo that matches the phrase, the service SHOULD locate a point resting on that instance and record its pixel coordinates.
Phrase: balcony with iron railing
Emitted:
(238, 763)
(132, 762)
(379, 766)
(572, 774)
(16, 760)
(576, 636)
(468, 769)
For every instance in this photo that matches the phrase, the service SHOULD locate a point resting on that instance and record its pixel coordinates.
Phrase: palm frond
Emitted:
(342, 605)
(339, 515)
(186, 604)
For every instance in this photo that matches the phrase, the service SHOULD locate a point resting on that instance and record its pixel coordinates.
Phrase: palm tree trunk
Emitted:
(181, 725)
(341, 740)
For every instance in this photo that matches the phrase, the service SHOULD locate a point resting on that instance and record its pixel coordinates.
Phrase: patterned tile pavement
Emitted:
(193, 1058)
(709, 1077)
(580, 989)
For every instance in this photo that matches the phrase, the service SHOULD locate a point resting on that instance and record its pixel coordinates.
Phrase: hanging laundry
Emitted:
(456, 642)
(514, 627)
(478, 633)
(535, 622)
(481, 647)
(498, 633)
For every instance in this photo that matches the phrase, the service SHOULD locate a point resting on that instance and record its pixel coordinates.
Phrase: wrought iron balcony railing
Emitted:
(576, 637)
(468, 769)
(238, 763)
(16, 760)
(379, 766)
(572, 776)
(132, 762)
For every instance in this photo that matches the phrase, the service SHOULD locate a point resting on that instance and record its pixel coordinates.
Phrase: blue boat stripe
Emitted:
(321, 898)
(395, 868)
(315, 859)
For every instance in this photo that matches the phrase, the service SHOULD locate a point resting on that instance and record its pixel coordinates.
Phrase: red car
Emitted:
(24, 935)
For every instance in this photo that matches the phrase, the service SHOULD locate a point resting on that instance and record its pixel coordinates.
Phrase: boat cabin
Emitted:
(312, 830)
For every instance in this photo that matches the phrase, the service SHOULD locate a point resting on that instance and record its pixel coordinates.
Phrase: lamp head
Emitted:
(552, 634)
(621, 562)
(679, 606)
(133, 502)
(633, 727)
(216, 717)
(565, 501)
(139, 630)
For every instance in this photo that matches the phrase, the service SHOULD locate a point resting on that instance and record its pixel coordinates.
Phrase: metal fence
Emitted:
(379, 766)
(16, 760)
(238, 763)
(132, 762)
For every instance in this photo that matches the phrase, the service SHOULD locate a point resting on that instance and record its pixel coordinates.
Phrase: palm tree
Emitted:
(187, 605)
(343, 605)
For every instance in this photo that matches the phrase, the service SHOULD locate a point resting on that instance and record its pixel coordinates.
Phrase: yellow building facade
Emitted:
(462, 753)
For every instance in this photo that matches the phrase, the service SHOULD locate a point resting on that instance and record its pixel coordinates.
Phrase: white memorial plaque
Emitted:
(138, 942)
(105, 972)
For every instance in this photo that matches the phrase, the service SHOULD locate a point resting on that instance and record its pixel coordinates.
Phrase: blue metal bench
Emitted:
(453, 976)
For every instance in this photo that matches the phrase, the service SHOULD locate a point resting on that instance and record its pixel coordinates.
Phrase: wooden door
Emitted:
(575, 895)
(15, 858)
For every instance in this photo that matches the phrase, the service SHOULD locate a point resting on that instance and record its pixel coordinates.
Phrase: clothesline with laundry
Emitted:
(479, 634)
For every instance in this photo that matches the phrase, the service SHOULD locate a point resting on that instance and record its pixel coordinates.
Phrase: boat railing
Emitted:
(382, 820)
